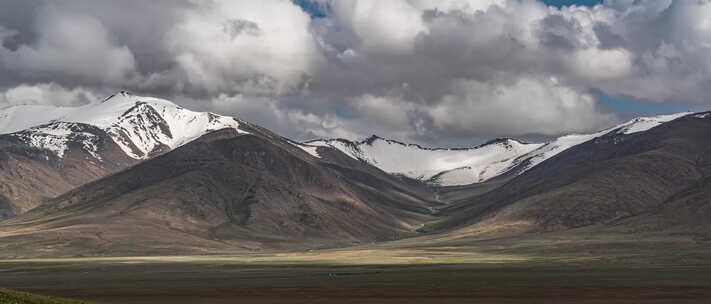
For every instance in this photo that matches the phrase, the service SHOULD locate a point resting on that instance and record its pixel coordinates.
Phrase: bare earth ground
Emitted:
(666, 272)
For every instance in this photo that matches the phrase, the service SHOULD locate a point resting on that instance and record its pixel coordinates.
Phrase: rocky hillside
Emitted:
(226, 191)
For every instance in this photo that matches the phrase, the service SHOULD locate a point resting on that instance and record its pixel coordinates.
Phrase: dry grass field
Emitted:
(476, 272)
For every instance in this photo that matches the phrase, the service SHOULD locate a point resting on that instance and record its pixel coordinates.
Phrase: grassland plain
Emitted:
(463, 272)
(17, 297)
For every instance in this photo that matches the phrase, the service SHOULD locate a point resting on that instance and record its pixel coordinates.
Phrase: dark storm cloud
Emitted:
(607, 37)
(85, 43)
(560, 32)
(431, 71)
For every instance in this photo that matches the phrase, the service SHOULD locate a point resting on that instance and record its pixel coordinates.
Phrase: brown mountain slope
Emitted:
(29, 176)
(220, 193)
(602, 181)
(686, 212)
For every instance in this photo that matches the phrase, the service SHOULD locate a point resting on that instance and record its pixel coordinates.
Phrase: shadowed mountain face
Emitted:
(46, 151)
(601, 182)
(223, 192)
(685, 213)
(30, 175)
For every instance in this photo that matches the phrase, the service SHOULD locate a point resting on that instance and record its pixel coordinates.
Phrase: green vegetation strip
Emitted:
(17, 297)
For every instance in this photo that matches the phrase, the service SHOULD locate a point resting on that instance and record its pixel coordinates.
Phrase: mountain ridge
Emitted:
(240, 187)
(608, 181)
(138, 124)
(144, 127)
(62, 148)
(455, 166)
(226, 191)
(469, 169)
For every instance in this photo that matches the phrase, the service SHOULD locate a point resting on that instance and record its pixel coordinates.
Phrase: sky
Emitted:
(437, 73)
(560, 3)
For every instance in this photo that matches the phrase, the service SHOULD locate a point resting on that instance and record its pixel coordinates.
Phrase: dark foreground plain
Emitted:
(191, 283)
(17, 297)
(377, 275)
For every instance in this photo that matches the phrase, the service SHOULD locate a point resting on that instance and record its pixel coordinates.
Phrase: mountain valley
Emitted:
(133, 175)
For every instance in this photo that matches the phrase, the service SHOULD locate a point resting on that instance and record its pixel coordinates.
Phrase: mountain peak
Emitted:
(498, 140)
(459, 166)
(426, 164)
(371, 139)
(124, 95)
(640, 124)
(141, 126)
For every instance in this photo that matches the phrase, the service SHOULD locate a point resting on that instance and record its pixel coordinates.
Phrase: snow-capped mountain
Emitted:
(463, 166)
(145, 126)
(21, 117)
(140, 126)
(475, 164)
(55, 137)
(563, 143)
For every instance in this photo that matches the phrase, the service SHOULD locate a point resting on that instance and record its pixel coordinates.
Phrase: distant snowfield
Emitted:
(473, 164)
(455, 167)
(18, 118)
(144, 125)
(642, 124)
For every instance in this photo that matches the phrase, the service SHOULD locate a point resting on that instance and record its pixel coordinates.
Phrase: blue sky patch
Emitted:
(560, 3)
(317, 11)
(312, 8)
(629, 107)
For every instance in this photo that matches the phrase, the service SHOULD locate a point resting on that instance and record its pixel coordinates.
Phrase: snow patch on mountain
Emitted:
(21, 117)
(56, 136)
(556, 146)
(473, 174)
(499, 158)
(49, 138)
(642, 124)
(566, 142)
(475, 164)
(463, 166)
(141, 126)
(186, 126)
(349, 148)
(310, 149)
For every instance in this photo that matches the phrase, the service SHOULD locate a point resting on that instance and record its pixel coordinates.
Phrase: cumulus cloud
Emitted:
(464, 64)
(381, 25)
(430, 71)
(527, 105)
(71, 45)
(290, 122)
(383, 110)
(45, 94)
(251, 47)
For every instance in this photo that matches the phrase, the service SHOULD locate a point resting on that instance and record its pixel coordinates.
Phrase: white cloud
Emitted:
(45, 94)
(469, 6)
(257, 47)
(668, 44)
(71, 45)
(388, 26)
(596, 64)
(389, 111)
(527, 106)
(272, 114)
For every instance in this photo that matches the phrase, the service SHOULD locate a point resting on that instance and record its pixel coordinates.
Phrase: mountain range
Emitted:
(132, 175)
